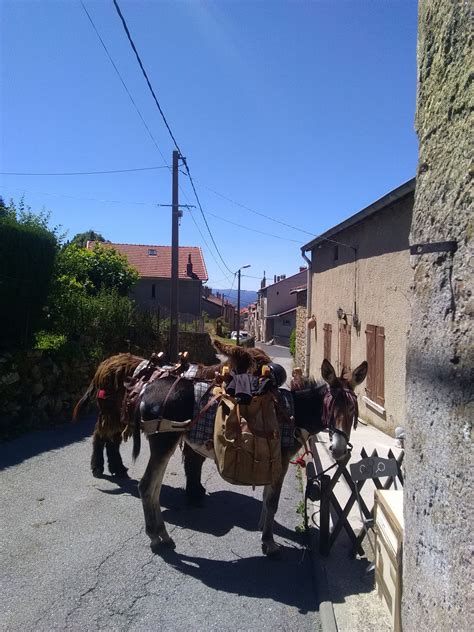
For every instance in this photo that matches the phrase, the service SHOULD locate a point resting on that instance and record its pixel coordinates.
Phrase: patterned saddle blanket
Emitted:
(203, 430)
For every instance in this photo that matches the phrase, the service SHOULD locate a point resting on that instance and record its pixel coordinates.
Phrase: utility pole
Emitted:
(173, 342)
(238, 307)
(238, 301)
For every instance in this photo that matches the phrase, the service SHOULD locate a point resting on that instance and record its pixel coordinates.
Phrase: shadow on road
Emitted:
(259, 577)
(18, 450)
(127, 486)
(220, 512)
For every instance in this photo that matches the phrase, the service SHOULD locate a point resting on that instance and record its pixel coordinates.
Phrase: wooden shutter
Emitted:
(327, 341)
(379, 366)
(371, 360)
(345, 347)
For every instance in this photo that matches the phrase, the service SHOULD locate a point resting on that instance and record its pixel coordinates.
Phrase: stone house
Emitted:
(276, 308)
(153, 264)
(360, 280)
(217, 306)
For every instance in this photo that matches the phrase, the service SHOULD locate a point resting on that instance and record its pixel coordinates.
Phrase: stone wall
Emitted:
(301, 319)
(40, 388)
(438, 488)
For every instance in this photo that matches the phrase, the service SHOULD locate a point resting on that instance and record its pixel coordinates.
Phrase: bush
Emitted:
(27, 255)
(293, 343)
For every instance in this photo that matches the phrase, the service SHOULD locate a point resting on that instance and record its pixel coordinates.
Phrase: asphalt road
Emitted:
(74, 555)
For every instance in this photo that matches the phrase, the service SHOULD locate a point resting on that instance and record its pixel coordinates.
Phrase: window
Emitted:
(375, 388)
(153, 290)
(327, 341)
(152, 252)
(344, 348)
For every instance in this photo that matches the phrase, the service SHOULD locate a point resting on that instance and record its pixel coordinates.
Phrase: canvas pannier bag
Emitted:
(247, 441)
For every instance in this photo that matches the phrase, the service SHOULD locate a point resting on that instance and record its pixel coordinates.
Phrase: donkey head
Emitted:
(340, 410)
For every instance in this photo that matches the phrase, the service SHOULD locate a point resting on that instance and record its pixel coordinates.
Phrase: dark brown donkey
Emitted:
(332, 406)
(108, 387)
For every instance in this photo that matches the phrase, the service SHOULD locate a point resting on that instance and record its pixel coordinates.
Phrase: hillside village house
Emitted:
(360, 278)
(276, 308)
(217, 306)
(153, 264)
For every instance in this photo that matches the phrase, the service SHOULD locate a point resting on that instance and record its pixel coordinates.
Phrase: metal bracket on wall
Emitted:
(440, 246)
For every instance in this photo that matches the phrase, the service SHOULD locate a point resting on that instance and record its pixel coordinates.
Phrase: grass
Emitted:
(225, 341)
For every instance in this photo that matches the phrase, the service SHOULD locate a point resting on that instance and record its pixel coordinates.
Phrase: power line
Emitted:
(85, 199)
(132, 44)
(123, 83)
(150, 87)
(251, 210)
(253, 230)
(79, 173)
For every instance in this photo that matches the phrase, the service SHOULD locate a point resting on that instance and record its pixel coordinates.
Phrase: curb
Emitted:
(325, 604)
(326, 607)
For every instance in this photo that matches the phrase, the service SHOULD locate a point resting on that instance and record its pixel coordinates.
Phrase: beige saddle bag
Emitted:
(247, 441)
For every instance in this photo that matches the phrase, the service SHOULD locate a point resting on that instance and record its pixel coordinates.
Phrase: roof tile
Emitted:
(159, 265)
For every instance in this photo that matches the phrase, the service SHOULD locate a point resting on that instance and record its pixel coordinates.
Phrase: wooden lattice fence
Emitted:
(330, 505)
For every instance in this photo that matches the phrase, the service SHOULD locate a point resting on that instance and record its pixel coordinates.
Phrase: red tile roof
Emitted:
(159, 265)
(213, 299)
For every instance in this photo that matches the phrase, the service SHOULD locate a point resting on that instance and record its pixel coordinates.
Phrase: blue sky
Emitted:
(303, 111)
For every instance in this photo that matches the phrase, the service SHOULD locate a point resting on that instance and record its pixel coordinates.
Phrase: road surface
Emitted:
(74, 555)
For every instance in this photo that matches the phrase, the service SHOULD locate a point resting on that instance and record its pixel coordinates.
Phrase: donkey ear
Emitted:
(359, 374)
(328, 373)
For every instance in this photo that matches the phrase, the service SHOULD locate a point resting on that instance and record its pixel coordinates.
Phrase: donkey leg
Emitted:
(193, 463)
(162, 447)
(97, 459)
(114, 459)
(271, 498)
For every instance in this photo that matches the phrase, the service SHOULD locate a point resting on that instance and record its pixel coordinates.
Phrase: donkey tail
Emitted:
(137, 437)
(83, 401)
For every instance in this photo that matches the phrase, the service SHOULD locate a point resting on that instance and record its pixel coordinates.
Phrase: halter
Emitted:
(329, 402)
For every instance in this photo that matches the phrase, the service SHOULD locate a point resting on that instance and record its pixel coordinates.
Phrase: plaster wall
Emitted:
(379, 284)
(438, 493)
(278, 295)
(189, 296)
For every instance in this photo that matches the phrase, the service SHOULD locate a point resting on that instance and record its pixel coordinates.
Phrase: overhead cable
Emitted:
(123, 83)
(150, 87)
(252, 230)
(251, 210)
(79, 173)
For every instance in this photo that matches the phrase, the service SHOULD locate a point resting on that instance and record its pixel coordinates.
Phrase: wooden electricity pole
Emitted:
(173, 342)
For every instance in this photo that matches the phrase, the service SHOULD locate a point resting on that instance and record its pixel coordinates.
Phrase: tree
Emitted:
(81, 239)
(99, 268)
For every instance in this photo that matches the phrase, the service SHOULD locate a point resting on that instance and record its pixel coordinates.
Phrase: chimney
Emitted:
(302, 268)
(274, 278)
(189, 267)
(283, 277)
(263, 282)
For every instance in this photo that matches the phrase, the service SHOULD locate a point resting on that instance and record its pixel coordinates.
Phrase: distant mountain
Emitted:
(246, 296)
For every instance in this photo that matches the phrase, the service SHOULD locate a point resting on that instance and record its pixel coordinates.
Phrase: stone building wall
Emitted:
(301, 318)
(438, 486)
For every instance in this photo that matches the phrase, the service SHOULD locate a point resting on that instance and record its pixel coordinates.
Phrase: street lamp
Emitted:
(238, 301)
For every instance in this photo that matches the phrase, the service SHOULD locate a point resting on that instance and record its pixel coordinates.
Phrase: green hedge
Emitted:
(27, 255)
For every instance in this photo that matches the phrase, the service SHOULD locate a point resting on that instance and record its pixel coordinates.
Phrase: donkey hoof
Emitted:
(121, 473)
(160, 544)
(97, 472)
(271, 549)
(195, 495)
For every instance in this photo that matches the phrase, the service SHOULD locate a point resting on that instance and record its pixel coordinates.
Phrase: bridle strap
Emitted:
(328, 411)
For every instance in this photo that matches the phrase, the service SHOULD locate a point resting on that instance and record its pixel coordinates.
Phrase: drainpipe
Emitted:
(308, 311)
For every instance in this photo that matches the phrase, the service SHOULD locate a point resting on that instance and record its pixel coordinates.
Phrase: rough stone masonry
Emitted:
(438, 491)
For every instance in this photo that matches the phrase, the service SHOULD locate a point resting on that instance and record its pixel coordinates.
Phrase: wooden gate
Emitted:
(330, 506)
